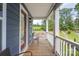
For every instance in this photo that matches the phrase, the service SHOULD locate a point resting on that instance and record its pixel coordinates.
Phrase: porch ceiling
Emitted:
(39, 10)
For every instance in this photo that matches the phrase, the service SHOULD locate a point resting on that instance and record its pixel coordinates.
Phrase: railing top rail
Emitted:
(65, 39)
(69, 41)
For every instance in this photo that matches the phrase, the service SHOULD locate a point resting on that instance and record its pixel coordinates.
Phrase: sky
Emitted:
(65, 5)
(70, 5)
(37, 21)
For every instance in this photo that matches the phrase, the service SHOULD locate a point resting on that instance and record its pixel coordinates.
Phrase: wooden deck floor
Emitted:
(42, 48)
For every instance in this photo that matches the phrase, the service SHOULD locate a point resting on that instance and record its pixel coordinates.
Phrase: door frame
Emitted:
(3, 18)
(22, 10)
(24, 19)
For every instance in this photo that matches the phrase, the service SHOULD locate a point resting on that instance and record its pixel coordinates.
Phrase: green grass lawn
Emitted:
(37, 28)
(70, 36)
(73, 36)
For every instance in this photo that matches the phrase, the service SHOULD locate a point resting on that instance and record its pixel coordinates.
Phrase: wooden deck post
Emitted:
(46, 25)
(56, 28)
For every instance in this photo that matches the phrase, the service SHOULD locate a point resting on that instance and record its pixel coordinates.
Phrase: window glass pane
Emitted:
(0, 9)
(0, 33)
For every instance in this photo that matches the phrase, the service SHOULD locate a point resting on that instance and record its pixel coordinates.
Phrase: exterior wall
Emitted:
(12, 36)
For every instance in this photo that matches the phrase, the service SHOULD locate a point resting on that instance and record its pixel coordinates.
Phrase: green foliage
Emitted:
(50, 24)
(44, 25)
(68, 32)
(72, 35)
(77, 7)
(66, 19)
(77, 19)
(76, 23)
(37, 28)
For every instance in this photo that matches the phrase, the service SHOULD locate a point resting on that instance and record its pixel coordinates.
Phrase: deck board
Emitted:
(42, 48)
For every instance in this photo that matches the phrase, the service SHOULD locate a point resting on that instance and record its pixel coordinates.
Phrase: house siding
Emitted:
(12, 30)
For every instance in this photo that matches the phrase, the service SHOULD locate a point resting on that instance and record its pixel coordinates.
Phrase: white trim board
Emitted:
(22, 8)
(4, 27)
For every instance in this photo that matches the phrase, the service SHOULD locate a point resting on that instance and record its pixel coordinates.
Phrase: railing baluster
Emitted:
(70, 50)
(74, 50)
(60, 47)
(63, 47)
(66, 48)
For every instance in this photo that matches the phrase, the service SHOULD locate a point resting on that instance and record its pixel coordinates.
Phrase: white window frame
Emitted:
(4, 26)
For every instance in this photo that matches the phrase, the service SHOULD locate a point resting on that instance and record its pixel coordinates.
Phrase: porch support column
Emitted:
(56, 27)
(46, 25)
(57, 22)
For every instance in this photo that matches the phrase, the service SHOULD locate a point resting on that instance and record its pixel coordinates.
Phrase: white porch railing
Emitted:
(50, 38)
(63, 46)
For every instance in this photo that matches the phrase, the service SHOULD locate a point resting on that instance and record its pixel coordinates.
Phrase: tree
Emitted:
(77, 19)
(44, 25)
(50, 24)
(77, 23)
(77, 8)
(66, 19)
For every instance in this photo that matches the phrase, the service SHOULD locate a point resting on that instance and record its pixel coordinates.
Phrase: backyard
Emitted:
(37, 28)
(71, 36)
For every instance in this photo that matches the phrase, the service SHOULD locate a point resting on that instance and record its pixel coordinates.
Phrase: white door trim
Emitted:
(22, 8)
